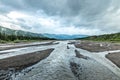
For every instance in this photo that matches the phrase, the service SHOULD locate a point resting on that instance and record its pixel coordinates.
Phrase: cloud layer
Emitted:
(89, 17)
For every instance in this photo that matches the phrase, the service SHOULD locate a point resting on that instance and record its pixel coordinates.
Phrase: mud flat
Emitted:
(17, 63)
(97, 46)
(114, 57)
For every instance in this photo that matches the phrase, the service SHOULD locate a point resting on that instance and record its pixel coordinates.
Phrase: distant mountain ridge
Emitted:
(7, 31)
(64, 36)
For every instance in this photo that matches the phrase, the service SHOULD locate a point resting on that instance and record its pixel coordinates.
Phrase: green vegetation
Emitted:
(9, 35)
(106, 37)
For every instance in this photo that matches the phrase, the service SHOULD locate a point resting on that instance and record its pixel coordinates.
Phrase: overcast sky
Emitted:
(87, 17)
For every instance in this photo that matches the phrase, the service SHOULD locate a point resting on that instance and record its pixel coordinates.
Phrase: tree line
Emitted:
(105, 37)
(13, 37)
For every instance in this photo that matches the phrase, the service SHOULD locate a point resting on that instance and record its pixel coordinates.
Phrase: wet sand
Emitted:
(114, 57)
(21, 61)
(17, 63)
(97, 46)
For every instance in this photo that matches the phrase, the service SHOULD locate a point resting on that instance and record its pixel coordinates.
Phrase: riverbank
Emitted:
(19, 62)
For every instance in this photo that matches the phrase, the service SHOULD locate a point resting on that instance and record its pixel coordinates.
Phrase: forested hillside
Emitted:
(12, 35)
(105, 37)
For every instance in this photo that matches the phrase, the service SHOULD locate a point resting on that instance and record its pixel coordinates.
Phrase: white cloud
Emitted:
(15, 15)
(74, 30)
(46, 22)
(70, 17)
(11, 26)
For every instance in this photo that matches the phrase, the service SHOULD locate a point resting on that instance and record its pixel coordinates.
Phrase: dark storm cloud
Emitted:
(82, 14)
(13, 4)
(65, 8)
(86, 8)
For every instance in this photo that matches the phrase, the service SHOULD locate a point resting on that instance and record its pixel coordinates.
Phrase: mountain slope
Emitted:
(8, 31)
(11, 35)
(105, 37)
